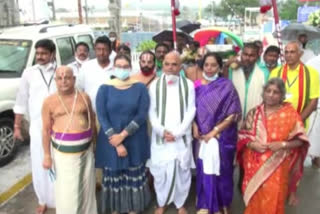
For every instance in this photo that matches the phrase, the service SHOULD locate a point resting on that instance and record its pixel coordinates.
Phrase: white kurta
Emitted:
(171, 162)
(32, 92)
(307, 55)
(314, 129)
(91, 77)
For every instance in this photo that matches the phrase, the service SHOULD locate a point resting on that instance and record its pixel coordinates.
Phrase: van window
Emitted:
(66, 48)
(14, 55)
(87, 39)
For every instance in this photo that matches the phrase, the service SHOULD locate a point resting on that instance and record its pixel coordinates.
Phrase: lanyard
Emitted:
(301, 84)
(44, 79)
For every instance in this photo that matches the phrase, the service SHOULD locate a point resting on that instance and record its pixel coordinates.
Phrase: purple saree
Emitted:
(215, 102)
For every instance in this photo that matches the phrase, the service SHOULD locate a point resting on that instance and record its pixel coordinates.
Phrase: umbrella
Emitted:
(203, 35)
(187, 26)
(292, 31)
(166, 35)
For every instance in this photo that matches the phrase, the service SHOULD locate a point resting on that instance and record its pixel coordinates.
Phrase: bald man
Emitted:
(302, 81)
(68, 127)
(171, 113)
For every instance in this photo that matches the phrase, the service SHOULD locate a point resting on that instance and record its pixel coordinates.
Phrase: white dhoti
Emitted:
(314, 134)
(42, 183)
(75, 176)
(172, 109)
(172, 183)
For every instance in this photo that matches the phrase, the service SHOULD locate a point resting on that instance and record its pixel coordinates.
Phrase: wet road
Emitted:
(309, 196)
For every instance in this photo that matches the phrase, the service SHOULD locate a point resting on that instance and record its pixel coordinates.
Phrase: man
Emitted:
(35, 86)
(302, 82)
(97, 71)
(194, 72)
(161, 50)
(81, 56)
(271, 57)
(249, 78)
(147, 65)
(314, 132)
(307, 53)
(172, 109)
(69, 123)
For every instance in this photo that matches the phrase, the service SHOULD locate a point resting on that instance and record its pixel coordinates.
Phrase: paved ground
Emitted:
(14, 171)
(309, 194)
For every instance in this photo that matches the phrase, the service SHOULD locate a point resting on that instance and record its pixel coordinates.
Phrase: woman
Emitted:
(218, 108)
(271, 149)
(123, 145)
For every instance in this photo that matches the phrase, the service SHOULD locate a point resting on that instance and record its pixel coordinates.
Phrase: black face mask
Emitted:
(199, 62)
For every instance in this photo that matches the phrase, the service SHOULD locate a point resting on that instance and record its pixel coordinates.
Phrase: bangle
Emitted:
(216, 128)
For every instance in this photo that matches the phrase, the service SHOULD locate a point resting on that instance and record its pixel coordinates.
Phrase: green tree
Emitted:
(288, 9)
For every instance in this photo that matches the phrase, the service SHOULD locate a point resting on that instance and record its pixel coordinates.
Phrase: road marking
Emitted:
(25, 181)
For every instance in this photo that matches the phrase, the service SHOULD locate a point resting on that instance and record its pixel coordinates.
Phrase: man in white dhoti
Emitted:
(314, 129)
(37, 84)
(69, 123)
(81, 56)
(171, 113)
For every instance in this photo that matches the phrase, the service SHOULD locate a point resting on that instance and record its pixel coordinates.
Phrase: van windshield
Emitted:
(13, 56)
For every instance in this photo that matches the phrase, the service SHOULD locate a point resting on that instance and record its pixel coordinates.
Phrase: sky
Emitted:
(71, 4)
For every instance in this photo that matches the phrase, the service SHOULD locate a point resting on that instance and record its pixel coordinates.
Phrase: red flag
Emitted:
(265, 5)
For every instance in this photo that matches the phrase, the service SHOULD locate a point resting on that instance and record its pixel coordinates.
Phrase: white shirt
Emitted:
(91, 77)
(307, 55)
(75, 66)
(113, 55)
(33, 90)
(161, 153)
(315, 63)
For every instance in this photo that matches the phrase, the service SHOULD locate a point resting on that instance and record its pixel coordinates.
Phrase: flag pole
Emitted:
(277, 25)
(174, 32)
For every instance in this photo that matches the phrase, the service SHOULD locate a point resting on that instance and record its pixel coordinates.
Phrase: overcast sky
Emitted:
(131, 3)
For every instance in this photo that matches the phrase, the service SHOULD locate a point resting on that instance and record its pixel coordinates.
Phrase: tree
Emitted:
(231, 7)
(288, 9)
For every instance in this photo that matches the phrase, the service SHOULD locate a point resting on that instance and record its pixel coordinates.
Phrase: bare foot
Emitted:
(160, 210)
(41, 209)
(293, 199)
(182, 210)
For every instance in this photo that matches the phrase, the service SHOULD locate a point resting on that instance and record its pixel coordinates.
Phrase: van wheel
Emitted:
(7, 144)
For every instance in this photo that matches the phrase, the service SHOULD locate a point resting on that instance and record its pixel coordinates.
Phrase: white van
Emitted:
(17, 52)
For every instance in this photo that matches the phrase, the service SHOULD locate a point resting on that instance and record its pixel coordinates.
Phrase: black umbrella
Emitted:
(166, 35)
(187, 26)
